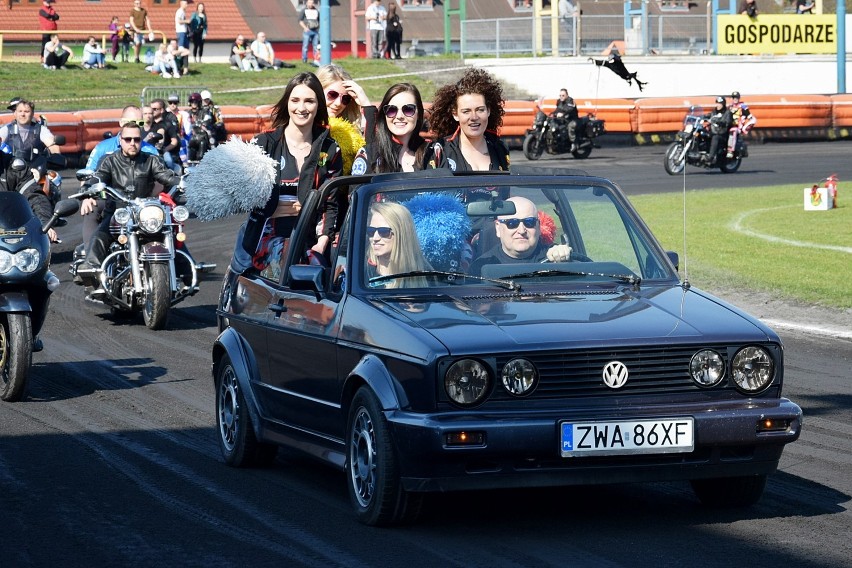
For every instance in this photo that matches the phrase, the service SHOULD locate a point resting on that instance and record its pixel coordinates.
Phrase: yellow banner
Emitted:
(777, 33)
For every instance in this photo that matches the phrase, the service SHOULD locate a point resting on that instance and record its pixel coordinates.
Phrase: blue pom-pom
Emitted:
(442, 227)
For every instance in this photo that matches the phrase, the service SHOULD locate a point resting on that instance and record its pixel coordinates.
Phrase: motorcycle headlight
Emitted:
(5, 262)
(121, 216)
(180, 213)
(151, 218)
(27, 260)
(752, 369)
(467, 382)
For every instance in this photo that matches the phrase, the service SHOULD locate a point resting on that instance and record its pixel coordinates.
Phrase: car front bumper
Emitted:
(523, 450)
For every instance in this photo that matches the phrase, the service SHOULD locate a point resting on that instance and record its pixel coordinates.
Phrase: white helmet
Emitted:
(205, 95)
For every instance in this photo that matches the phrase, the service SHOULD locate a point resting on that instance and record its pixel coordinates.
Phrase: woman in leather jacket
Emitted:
(307, 157)
(465, 117)
(131, 171)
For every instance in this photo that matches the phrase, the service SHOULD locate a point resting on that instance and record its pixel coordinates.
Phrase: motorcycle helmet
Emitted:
(205, 95)
(13, 104)
(195, 98)
(735, 95)
(720, 100)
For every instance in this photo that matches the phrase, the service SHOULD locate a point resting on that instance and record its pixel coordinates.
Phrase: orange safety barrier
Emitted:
(841, 110)
(84, 129)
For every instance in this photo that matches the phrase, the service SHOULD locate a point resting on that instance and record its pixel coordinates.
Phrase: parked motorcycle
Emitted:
(547, 135)
(693, 147)
(148, 268)
(25, 286)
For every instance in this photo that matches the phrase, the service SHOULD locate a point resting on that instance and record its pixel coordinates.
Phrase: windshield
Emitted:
(513, 236)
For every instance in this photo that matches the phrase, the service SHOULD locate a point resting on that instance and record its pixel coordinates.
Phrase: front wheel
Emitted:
(674, 163)
(375, 488)
(237, 440)
(158, 295)
(16, 354)
(533, 146)
(729, 492)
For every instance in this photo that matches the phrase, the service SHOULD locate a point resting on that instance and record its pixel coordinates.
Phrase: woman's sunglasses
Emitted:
(332, 96)
(512, 224)
(408, 110)
(384, 232)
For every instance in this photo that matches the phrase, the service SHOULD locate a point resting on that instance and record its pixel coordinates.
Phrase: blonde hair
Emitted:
(406, 254)
(331, 73)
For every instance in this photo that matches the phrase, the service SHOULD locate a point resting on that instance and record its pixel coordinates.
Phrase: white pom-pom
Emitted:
(235, 177)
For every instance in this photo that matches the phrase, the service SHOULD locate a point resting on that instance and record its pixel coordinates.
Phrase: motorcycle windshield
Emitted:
(14, 210)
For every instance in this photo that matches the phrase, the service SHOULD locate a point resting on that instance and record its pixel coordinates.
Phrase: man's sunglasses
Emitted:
(512, 224)
(332, 96)
(384, 232)
(125, 121)
(408, 110)
(130, 139)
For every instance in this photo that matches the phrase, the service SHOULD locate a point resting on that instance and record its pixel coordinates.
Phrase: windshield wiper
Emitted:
(631, 279)
(508, 284)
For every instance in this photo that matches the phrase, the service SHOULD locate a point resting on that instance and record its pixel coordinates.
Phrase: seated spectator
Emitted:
(265, 54)
(242, 57)
(93, 55)
(56, 54)
(164, 63)
(520, 242)
(393, 247)
(181, 57)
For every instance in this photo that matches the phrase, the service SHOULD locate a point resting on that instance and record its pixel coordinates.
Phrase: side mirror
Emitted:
(308, 277)
(64, 208)
(59, 140)
(674, 258)
(83, 175)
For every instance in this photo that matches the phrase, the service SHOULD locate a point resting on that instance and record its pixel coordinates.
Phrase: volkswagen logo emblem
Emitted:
(615, 374)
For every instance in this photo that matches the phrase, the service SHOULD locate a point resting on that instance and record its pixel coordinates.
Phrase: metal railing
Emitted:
(674, 33)
(76, 34)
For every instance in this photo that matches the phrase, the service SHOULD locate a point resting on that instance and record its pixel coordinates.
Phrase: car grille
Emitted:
(579, 373)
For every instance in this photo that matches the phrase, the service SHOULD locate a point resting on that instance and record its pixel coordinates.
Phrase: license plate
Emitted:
(662, 436)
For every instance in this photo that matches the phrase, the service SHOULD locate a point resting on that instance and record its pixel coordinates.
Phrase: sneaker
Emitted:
(137, 60)
(176, 75)
(86, 66)
(729, 155)
(166, 76)
(234, 67)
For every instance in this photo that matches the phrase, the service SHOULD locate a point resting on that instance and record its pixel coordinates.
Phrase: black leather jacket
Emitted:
(134, 176)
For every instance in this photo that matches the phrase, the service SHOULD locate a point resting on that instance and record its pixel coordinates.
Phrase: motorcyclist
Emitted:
(132, 171)
(207, 126)
(25, 145)
(565, 116)
(720, 122)
(743, 121)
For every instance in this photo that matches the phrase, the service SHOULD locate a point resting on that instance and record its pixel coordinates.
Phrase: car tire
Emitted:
(372, 469)
(237, 441)
(729, 492)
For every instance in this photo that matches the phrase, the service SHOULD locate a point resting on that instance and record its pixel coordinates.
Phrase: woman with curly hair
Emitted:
(397, 145)
(465, 117)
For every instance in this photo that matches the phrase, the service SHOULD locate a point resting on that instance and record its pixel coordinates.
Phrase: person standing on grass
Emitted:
(47, 18)
(141, 25)
(309, 20)
(182, 25)
(376, 16)
(198, 29)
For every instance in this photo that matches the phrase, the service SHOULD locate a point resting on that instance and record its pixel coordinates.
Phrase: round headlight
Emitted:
(151, 218)
(27, 260)
(121, 216)
(707, 368)
(467, 382)
(519, 377)
(752, 369)
(5, 261)
(180, 213)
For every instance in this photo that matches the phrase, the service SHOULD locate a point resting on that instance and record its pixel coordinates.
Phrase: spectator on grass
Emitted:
(265, 54)
(242, 57)
(56, 54)
(141, 25)
(198, 29)
(114, 39)
(309, 20)
(181, 25)
(47, 18)
(93, 54)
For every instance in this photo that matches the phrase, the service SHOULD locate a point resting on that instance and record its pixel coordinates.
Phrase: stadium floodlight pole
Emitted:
(325, 32)
(841, 46)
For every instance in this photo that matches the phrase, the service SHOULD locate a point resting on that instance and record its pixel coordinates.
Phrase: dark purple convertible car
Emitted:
(493, 331)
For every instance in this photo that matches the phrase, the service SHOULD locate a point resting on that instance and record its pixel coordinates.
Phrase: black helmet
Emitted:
(735, 95)
(720, 100)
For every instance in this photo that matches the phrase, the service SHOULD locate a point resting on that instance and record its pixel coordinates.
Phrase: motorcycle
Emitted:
(547, 134)
(148, 268)
(693, 147)
(25, 286)
(50, 182)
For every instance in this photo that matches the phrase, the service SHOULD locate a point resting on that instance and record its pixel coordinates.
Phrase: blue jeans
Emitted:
(183, 39)
(96, 59)
(310, 36)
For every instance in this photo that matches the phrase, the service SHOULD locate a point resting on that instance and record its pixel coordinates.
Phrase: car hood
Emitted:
(655, 315)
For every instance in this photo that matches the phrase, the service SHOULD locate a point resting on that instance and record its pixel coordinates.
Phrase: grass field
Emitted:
(120, 84)
(758, 238)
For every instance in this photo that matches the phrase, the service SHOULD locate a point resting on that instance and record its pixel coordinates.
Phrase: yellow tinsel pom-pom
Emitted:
(348, 138)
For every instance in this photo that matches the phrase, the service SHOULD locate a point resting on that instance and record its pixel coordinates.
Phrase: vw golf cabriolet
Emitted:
(493, 331)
